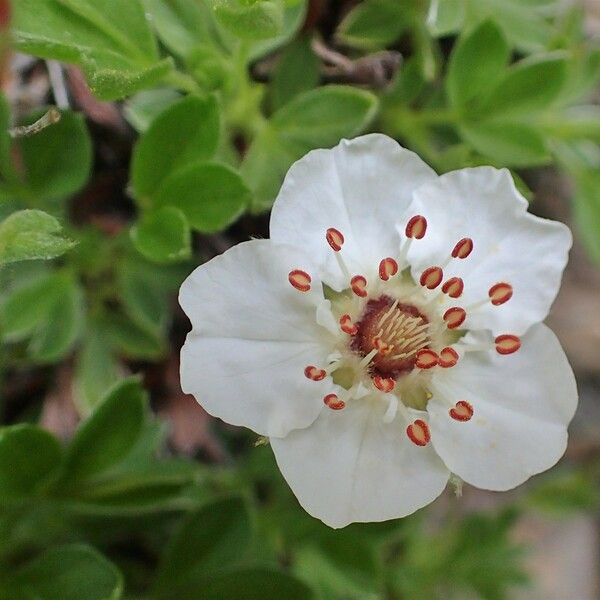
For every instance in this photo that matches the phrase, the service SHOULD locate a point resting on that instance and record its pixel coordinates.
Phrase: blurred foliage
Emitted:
(224, 96)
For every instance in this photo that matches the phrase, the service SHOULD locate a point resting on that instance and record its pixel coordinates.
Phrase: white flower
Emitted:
(388, 334)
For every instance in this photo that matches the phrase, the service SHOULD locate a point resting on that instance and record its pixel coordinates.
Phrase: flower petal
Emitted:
(349, 466)
(522, 405)
(362, 188)
(510, 245)
(253, 335)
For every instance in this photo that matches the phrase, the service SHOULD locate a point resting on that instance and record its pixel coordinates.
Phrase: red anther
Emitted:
(426, 358)
(463, 248)
(455, 317)
(416, 227)
(453, 287)
(500, 293)
(333, 402)
(431, 277)
(507, 343)
(418, 432)
(384, 384)
(315, 373)
(381, 346)
(448, 357)
(462, 411)
(359, 286)
(388, 267)
(300, 280)
(347, 326)
(335, 239)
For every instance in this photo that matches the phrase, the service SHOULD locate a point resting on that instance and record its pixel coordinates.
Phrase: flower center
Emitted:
(396, 330)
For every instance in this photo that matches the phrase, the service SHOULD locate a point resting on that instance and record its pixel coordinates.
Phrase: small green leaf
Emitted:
(528, 87)
(213, 539)
(144, 107)
(29, 455)
(74, 572)
(31, 234)
(476, 63)
(210, 195)
(57, 160)
(163, 235)
(374, 24)
(250, 19)
(133, 340)
(6, 168)
(109, 434)
(186, 132)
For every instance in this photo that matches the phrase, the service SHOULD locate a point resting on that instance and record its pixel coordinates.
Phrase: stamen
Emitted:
(333, 402)
(416, 227)
(500, 293)
(359, 285)
(418, 433)
(426, 358)
(448, 358)
(454, 317)
(507, 343)
(462, 411)
(388, 267)
(300, 280)
(368, 358)
(431, 277)
(347, 326)
(335, 239)
(381, 347)
(384, 384)
(463, 248)
(453, 287)
(314, 373)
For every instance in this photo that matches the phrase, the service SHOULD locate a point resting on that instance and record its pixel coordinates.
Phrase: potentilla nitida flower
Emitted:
(388, 334)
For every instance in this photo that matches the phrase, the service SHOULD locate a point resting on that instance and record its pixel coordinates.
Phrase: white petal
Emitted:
(349, 466)
(510, 245)
(362, 187)
(253, 335)
(522, 405)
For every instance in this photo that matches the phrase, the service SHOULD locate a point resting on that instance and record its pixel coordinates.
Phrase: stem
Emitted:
(182, 81)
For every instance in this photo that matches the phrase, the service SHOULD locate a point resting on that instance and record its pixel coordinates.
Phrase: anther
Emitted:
(453, 287)
(347, 326)
(454, 317)
(500, 293)
(300, 280)
(335, 239)
(462, 411)
(448, 357)
(333, 402)
(314, 373)
(388, 267)
(426, 358)
(381, 347)
(431, 277)
(384, 384)
(418, 433)
(359, 285)
(507, 343)
(416, 227)
(463, 248)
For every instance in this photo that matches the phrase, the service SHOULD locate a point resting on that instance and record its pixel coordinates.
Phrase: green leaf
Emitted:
(297, 72)
(250, 19)
(29, 235)
(528, 87)
(29, 456)
(57, 160)
(212, 539)
(374, 24)
(507, 144)
(132, 339)
(74, 572)
(565, 493)
(163, 235)
(210, 195)
(144, 107)
(476, 63)
(109, 434)
(6, 168)
(186, 132)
